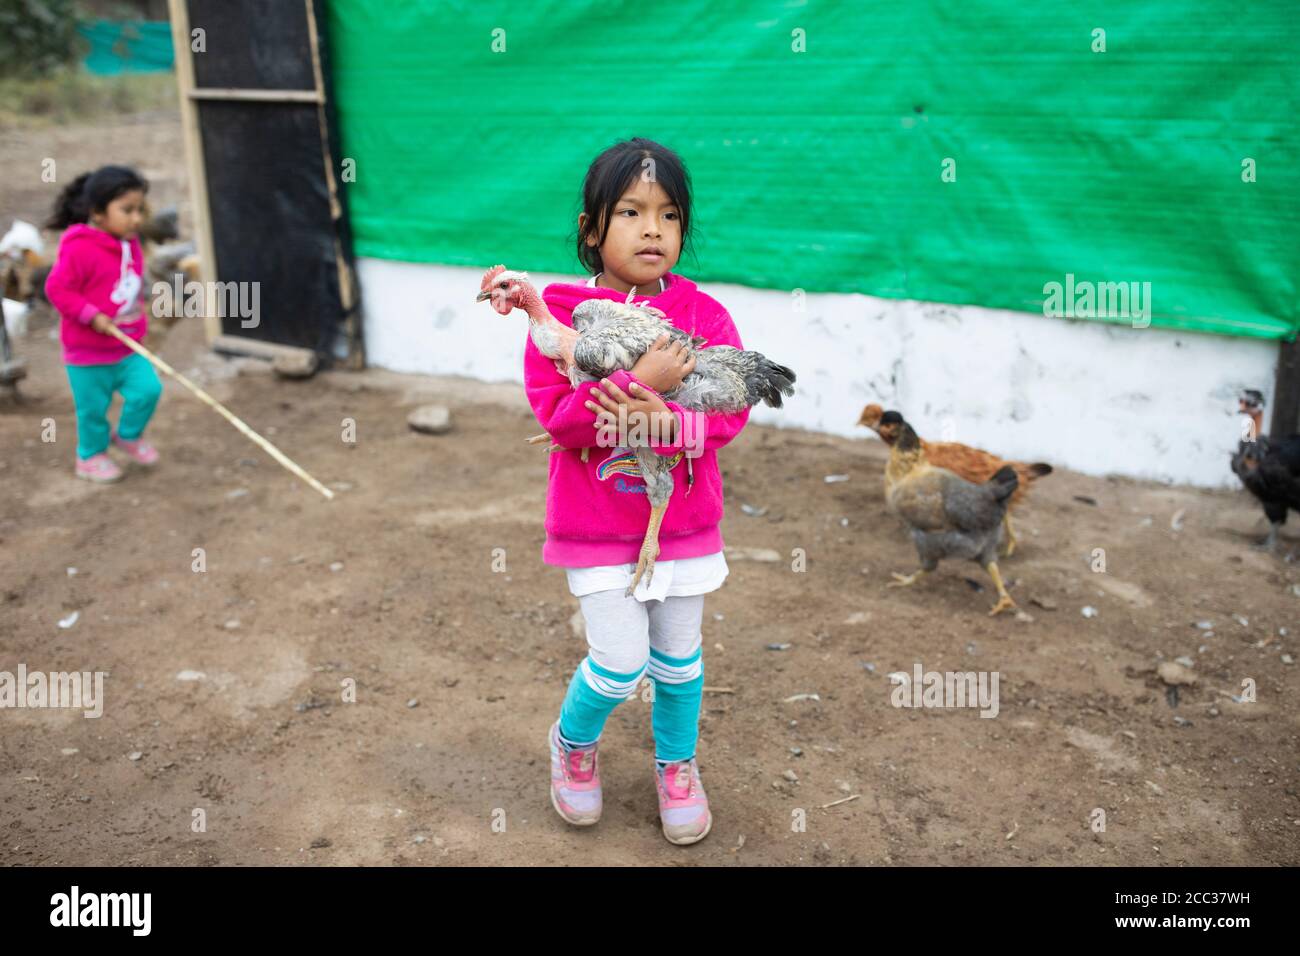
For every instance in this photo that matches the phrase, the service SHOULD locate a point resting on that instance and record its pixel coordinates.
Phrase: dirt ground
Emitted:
(459, 670)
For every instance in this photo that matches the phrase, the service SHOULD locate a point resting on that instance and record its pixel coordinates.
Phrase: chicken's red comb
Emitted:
(490, 275)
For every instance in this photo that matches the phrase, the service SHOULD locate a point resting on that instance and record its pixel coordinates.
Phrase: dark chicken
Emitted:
(1269, 468)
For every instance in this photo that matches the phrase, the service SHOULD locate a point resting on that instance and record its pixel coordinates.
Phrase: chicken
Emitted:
(949, 516)
(166, 254)
(161, 226)
(1270, 469)
(21, 264)
(612, 335)
(608, 335)
(973, 464)
(168, 260)
(12, 370)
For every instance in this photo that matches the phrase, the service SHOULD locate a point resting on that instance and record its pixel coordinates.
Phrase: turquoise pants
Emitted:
(92, 392)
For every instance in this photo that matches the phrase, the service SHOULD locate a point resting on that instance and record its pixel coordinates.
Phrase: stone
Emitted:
(1175, 674)
(430, 419)
(295, 364)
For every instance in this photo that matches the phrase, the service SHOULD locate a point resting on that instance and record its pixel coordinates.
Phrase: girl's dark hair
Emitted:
(610, 175)
(92, 192)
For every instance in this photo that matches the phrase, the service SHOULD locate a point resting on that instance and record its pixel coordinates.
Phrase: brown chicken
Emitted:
(973, 464)
(949, 517)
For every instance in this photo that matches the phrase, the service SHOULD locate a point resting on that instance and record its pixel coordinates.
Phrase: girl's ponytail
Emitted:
(70, 207)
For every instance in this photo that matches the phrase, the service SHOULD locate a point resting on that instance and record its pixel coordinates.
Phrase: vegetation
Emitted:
(37, 37)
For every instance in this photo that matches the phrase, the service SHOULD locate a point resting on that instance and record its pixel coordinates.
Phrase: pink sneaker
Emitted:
(683, 807)
(575, 782)
(139, 451)
(98, 468)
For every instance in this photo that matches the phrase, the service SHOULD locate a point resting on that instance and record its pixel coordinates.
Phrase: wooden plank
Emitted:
(268, 96)
(195, 167)
(238, 345)
(1286, 390)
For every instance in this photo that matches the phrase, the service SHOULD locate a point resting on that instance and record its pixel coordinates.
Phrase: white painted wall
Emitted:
(1097, 398)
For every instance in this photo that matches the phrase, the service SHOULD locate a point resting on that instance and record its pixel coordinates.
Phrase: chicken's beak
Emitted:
(483, 295)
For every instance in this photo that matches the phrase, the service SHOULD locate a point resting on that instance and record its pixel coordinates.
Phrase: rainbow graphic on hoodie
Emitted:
(625, 463)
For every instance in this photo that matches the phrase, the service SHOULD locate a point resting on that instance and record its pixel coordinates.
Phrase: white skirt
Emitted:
(679, 578)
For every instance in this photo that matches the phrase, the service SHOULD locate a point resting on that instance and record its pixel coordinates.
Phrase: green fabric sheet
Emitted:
(821, 170)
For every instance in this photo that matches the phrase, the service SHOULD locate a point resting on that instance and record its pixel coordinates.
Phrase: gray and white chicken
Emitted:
(612, 335)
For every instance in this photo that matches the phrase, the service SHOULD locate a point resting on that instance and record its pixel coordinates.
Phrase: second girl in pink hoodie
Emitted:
(97, 282)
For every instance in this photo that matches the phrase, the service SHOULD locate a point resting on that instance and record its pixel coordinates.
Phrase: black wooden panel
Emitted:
(270, 218)
(253, 44)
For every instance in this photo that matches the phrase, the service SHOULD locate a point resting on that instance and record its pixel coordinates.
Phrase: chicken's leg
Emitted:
(658, 489)
(1270, 541)
(1011, 534)
(649, 549)
(538, 439)
(1004, 599)
(905, 580)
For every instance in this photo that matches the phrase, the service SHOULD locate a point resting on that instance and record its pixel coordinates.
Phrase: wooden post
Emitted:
(197, 169)
(1286, 390)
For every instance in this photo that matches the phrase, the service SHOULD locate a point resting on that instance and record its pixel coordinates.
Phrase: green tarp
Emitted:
(822, 170)
(127, 46)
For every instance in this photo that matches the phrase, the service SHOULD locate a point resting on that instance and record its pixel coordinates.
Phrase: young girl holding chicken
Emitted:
(635, 220)
(95, 283)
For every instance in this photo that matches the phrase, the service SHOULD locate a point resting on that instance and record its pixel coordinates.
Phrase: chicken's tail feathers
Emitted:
(1004, 483)
(769, 382)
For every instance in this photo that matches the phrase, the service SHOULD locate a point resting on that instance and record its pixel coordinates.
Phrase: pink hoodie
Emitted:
(594, 520)
(93, 274)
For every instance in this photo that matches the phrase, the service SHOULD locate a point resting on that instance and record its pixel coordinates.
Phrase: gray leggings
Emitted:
(621, 630)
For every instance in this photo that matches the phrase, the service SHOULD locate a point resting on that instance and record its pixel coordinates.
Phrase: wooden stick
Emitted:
(836, 803)
(208, 400)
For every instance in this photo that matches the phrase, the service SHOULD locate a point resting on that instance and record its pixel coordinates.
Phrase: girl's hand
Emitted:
(100, 323)
(640, 403)
(664, 364)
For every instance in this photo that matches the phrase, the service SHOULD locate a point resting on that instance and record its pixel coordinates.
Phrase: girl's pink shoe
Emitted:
(98, 468)
(575, 782)
(139, 451)
(683, 806)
